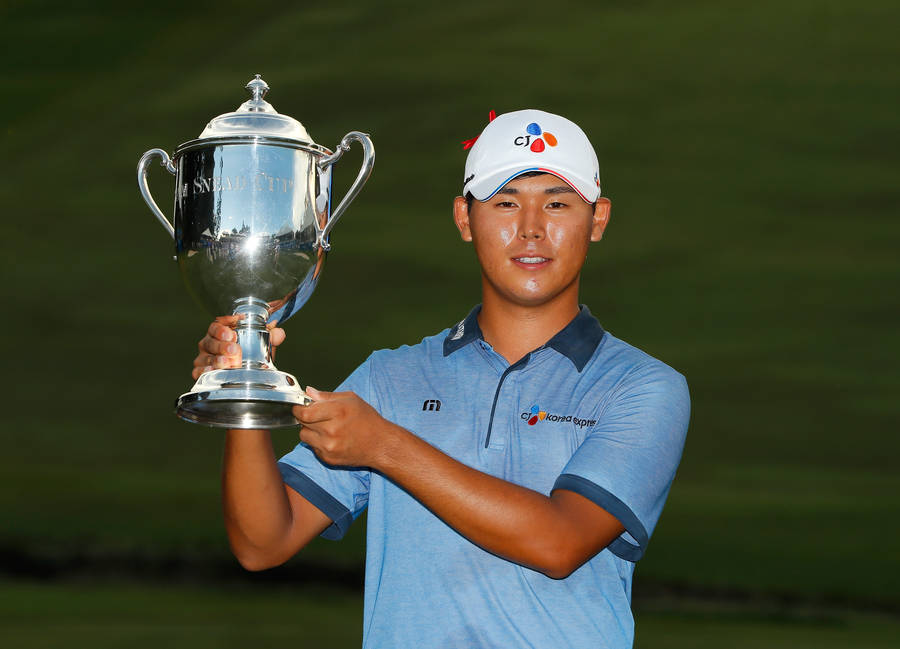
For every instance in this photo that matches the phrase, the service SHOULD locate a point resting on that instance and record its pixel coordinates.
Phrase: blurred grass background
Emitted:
(751, 154)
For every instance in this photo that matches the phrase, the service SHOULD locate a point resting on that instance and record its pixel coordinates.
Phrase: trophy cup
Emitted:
(252, 219)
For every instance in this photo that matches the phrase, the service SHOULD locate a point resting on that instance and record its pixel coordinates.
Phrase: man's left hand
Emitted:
(341, 428)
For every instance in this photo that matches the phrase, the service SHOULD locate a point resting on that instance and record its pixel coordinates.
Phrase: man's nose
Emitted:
(531, 225)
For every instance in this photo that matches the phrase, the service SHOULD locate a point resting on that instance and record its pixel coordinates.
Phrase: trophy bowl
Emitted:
(252, 222)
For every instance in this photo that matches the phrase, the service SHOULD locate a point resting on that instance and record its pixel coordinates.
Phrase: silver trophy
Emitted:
(252, 219)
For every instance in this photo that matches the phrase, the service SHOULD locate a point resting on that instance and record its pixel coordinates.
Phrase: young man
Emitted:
(514, 465)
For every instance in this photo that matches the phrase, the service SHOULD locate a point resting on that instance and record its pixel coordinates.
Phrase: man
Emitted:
(514, 465)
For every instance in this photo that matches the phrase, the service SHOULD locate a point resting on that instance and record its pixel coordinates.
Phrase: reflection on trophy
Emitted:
(252, 219)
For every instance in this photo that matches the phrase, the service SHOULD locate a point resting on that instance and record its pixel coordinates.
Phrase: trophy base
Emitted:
(242, 398)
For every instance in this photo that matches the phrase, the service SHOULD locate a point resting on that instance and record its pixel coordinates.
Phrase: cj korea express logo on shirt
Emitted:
(535, 138)
(537, 415)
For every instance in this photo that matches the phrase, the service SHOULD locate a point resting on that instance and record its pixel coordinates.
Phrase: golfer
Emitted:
(514, 465)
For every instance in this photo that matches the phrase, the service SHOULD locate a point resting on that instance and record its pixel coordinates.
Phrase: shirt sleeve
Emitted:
(628, 461)
(341, 493)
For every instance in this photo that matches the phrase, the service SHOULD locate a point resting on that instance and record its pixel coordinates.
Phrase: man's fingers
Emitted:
(314, 413)
(197, 371)
(208, 362)
(230, 320)
(276, 336)
(214, 361)
(322, 395)
(305, 416)
(218, 347)
(223, 328)
(311, 437)
(325, 405)
(205, 360)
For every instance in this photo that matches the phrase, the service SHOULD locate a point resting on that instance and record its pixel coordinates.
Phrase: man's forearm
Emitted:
(259, 518)
(256, 508)
(553, 535)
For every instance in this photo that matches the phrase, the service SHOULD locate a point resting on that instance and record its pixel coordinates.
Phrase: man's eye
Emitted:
(555, 205)
(505, 204)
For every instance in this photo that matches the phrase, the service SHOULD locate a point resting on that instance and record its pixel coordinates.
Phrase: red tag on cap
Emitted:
(467, 144)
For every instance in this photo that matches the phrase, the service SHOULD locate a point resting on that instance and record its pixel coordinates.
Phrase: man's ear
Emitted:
(600, 218)
(461, 218)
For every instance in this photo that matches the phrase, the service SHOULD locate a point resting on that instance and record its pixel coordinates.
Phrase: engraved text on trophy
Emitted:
(262, 182)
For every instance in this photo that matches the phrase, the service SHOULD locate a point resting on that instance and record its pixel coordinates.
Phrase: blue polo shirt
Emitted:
(585, 412)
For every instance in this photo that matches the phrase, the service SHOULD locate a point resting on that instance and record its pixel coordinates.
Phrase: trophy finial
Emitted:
(256, 104)
(258, 88)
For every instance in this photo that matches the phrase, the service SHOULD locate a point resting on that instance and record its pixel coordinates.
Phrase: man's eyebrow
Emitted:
(560, 189)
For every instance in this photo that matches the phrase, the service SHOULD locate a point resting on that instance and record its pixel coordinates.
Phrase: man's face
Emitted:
(531, 238)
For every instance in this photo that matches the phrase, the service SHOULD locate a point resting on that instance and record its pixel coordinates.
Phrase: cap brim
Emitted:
(484, 188)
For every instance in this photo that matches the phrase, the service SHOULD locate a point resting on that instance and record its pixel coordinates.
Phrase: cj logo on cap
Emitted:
(535, 138)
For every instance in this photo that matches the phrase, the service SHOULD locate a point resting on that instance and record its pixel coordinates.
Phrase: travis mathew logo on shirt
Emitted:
(536, 415)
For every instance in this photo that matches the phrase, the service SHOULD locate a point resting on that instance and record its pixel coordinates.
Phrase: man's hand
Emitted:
(219, 349)
(342, 429)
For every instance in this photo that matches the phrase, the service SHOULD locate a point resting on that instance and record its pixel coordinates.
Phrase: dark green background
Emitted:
(751, 154)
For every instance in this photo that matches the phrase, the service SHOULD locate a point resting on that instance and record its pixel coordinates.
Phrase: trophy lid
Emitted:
(256, 116)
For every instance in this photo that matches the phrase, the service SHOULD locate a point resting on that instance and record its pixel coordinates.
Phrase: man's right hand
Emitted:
(219, 349)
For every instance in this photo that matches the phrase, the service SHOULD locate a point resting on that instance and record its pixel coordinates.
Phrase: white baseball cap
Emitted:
(531, 140)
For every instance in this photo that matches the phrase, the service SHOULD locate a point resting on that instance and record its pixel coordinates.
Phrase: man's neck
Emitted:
(514, 330)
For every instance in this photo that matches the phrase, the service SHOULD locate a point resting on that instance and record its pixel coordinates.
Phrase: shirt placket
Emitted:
(505, 412)
(505, 401)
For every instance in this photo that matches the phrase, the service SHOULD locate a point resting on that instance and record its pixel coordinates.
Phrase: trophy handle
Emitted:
(166, 162)
(364, 172)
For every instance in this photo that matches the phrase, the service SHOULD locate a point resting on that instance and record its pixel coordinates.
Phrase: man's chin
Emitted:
(531, 299)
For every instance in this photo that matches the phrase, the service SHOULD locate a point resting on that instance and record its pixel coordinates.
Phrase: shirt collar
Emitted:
(577, 341)
(464, 332)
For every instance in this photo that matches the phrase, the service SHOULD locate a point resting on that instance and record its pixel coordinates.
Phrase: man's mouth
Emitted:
(531, 262)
